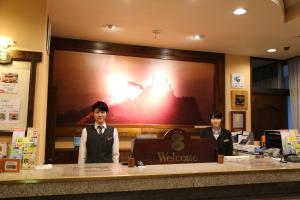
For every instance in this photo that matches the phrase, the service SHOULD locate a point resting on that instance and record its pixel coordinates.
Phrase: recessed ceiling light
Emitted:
(239, 11)
(198, 37)
(271, 50)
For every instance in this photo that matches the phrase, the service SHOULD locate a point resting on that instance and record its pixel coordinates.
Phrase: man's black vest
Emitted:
(99, 146)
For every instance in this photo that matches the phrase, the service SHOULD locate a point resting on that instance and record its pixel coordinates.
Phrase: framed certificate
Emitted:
(238, 120)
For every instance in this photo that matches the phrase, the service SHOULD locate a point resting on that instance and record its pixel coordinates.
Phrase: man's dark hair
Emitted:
(101, 106)
(216, 115)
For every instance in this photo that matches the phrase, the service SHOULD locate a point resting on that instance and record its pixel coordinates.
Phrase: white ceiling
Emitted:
(263, 27)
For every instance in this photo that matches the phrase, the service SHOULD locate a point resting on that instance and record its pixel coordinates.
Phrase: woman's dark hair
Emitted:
(101, 106)
(216, 115)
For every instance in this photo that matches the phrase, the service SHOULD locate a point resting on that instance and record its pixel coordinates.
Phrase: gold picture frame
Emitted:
(239, 99)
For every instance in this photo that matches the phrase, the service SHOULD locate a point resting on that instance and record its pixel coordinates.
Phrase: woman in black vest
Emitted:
(221, 135)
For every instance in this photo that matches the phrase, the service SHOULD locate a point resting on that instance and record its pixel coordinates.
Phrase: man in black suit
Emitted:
(221, 135)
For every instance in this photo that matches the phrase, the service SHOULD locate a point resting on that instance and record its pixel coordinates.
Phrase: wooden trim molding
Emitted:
(270, 91)
(133, 50)
(26, 56)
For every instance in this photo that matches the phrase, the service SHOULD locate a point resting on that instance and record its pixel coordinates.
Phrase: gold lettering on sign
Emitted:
(167, 157)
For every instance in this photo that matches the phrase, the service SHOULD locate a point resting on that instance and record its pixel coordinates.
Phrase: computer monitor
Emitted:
(273, 139)
(76, 142)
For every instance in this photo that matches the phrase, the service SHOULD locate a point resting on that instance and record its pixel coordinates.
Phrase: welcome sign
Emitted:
(177, 146)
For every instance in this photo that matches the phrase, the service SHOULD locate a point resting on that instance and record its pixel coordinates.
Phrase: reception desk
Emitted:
(236, 178)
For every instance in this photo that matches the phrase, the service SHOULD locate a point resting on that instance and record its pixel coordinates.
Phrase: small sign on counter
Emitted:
(10, 165)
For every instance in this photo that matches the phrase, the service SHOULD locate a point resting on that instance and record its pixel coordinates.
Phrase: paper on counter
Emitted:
(236, 158)
(47, 166)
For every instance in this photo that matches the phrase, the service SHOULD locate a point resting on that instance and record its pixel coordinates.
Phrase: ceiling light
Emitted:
(271, 50)
(6, 42)
(198, 37)
(239, 11)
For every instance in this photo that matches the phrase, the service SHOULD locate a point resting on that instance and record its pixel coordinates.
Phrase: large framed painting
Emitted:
(138, 90)
(142, 85)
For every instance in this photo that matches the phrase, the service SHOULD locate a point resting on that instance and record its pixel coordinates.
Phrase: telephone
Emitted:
(291, 158)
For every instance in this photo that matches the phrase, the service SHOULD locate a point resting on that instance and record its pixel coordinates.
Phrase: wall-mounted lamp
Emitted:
(5, 43)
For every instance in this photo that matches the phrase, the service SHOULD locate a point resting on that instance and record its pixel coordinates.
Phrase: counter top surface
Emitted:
(87, 172)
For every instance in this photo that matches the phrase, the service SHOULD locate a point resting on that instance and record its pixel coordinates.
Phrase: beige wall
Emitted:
(237, 64)
(26, 23)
